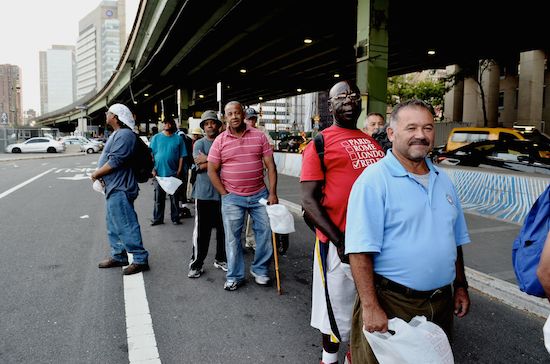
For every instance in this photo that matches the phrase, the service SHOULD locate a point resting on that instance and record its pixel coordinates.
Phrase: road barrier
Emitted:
(505, 196)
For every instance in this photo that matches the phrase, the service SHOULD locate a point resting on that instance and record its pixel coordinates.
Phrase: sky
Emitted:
(30, 26)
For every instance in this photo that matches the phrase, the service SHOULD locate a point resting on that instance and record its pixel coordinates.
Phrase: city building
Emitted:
(28, 116)
(302, 112)
(101, 41)
(10, 95)
(57, 77)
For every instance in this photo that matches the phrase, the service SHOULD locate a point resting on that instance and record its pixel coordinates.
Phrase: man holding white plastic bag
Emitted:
(405, 228)
(168, 151)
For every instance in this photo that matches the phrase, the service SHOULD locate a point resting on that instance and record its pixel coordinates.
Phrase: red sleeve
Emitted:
(311, 165)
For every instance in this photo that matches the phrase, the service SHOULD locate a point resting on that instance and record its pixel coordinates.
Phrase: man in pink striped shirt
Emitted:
(236, 168)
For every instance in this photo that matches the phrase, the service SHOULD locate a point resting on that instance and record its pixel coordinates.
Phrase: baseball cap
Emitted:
(250, 113)
(124, 114)
(209, 115)
(197, 131)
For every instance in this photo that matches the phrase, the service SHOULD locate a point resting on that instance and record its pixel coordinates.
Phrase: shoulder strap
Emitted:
(320, 148)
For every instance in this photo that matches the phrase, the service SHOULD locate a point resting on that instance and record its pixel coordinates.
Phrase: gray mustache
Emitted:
(419, 142)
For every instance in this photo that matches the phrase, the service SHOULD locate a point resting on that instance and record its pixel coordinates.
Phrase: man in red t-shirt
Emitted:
(347, 152)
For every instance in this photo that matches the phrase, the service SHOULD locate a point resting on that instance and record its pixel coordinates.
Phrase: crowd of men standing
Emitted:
(363, 267)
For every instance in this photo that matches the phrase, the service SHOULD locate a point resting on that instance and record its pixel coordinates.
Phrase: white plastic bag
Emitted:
(98, 186)
(417, 342)
(169, 184)
(546, 333)
(280, 219)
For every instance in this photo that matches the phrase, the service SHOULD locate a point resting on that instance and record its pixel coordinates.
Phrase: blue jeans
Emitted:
(123, 228)
(233, 213)
(160, 201)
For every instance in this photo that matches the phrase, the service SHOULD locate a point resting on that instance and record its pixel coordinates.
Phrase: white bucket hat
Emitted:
(124, 114)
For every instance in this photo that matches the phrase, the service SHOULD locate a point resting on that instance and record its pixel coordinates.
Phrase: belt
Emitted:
(406, 291)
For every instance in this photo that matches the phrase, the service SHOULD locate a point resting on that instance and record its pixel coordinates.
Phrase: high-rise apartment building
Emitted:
(10, 95)
(101, 41)
(57, 78)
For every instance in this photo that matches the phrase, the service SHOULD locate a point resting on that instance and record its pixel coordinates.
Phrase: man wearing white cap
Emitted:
(121, 190)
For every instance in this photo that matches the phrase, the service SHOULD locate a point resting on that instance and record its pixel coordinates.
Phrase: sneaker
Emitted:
(135, 268)
(220, 265)
(232, 285)
(261, 280)
(185, 213)
(195, 273)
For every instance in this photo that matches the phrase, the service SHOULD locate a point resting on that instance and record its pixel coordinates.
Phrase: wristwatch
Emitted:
(463, 284)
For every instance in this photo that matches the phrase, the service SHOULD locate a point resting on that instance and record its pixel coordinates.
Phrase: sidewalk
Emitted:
(488, 257)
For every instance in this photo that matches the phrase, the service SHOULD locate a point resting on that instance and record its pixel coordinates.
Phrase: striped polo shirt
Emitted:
(241, 160)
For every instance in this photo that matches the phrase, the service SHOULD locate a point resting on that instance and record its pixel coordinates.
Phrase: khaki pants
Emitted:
(438, 309)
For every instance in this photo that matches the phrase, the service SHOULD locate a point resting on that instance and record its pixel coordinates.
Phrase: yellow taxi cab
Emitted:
(462, 136)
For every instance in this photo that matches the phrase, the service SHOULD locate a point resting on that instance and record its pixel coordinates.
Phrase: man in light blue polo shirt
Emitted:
(404, 232)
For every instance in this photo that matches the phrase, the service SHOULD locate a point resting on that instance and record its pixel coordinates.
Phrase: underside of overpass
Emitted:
(200, 43)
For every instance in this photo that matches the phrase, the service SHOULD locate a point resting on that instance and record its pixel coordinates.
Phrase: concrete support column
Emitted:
(472, 110)
(372, 55)
(531, 86)
(184, 99)
(490, 81)
(454, 98)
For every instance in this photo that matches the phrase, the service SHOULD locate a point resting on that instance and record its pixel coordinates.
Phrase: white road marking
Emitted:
(142, 345)
(85, 217)
(13, 189)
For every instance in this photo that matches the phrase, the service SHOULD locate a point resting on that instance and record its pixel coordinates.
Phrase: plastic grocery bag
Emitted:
(416, 342)
(546, 333)
(280, 219)
(169, 184)
(98, 186)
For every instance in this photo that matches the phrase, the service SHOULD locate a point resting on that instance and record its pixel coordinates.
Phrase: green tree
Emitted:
(404, 87)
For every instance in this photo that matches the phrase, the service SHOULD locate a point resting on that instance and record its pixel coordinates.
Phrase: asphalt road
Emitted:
(58, 307)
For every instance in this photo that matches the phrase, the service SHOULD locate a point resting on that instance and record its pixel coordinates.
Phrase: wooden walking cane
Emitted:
(275, 256)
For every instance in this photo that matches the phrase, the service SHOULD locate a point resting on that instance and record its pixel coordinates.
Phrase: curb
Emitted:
(499, 289)
(39, 156)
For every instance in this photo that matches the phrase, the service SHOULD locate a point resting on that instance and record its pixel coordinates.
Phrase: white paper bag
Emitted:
(418, 341)
(169, 184)
(280, 219)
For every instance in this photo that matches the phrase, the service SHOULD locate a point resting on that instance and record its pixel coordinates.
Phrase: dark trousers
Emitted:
(438, 308)
(160, 201)
(208, 216)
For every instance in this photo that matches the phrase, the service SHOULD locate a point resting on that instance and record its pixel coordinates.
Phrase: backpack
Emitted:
(142, 162)
(320, 148)
(528, 245)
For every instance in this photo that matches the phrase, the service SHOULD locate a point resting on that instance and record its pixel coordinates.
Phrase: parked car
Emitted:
(459, 137)
(37, 144)
(79, 140)
(518, 155)
(89, 147)
(290, 143)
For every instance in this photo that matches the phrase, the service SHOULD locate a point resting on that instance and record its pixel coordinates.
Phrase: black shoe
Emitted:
(111, 263)
(154, 223)
(176, 222)
(185, 213)
(135, 268)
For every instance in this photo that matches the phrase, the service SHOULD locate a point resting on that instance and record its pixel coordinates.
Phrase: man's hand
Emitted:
(201, 158)
(374, 319)
(272, 199)
(462, 302)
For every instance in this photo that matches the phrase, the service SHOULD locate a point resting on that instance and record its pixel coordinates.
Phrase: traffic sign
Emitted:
(4, 118)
